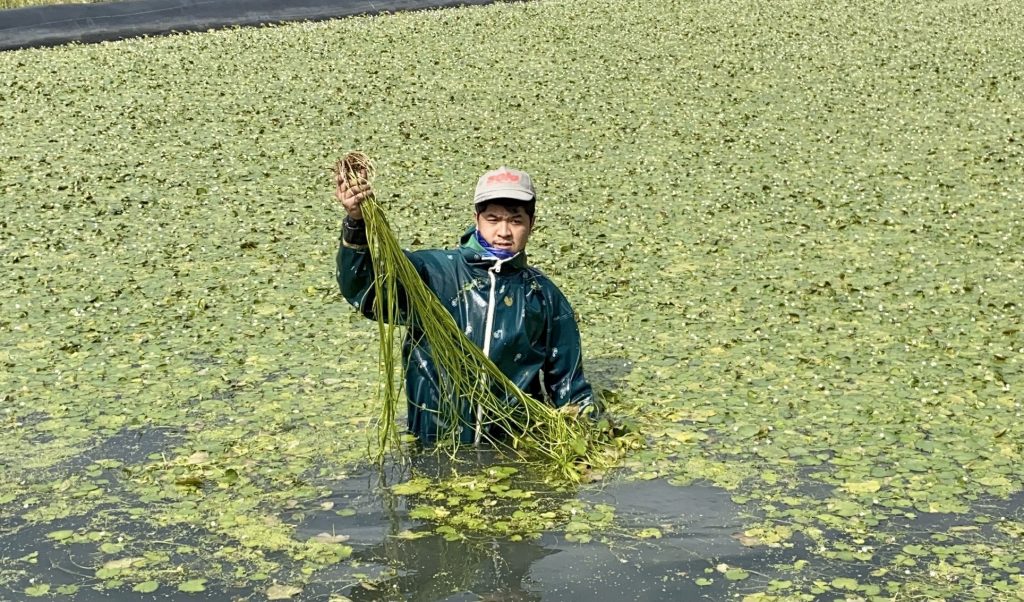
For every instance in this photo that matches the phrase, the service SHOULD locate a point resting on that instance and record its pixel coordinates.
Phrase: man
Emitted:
(512, 311)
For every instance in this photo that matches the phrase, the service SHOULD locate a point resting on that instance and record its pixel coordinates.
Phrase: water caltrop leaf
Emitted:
(122, 563)
(411, 487)
(686, 436)
(60, 535)
(863, 487)
(736, 574)
(748, 430)
(192, 585)
(282, 592)
(111, 548)
(847, 508)
(38, 590)
(146, 587)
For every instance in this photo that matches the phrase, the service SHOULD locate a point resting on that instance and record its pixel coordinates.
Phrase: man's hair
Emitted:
(510, 204)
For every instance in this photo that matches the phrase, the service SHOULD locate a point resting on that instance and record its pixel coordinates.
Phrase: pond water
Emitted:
(694, 548)
(697, 524)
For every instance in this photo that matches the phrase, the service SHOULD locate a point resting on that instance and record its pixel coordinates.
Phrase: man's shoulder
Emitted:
(435, 255)
(444, 263)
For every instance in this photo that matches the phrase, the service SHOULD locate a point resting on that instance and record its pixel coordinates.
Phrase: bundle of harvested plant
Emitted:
(468, 379)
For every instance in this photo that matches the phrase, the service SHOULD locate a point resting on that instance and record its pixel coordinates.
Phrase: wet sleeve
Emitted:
(563, 367)
(355, 269)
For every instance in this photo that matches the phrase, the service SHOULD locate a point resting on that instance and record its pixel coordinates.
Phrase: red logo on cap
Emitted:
(505, 177)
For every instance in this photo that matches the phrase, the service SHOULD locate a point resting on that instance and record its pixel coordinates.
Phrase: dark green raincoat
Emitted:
(533, 336)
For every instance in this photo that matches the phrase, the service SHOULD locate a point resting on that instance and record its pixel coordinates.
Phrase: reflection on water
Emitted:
(434, 569)
(697, 524)
(399, 558)
(396, 557)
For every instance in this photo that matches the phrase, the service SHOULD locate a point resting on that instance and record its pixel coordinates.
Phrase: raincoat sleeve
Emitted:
(355, 270)
(563, 367)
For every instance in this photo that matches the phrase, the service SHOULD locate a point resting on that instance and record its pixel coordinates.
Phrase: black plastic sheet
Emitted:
(52, 25)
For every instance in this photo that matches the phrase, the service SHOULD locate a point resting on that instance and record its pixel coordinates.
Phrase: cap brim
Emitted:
(515, 194)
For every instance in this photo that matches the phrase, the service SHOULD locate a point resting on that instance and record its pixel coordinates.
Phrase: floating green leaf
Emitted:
(60, 535)
(37, 590)
(411, 487)
(282, 592)
(192, 585)
(146, 587)
(736, 574)
(111, 548)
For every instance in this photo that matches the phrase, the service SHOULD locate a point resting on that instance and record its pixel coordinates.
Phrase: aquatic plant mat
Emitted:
(797, 223)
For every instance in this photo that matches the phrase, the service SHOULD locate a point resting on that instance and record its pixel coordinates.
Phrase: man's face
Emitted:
(504, 228)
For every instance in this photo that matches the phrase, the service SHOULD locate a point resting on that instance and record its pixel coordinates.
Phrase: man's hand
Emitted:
(352, 196)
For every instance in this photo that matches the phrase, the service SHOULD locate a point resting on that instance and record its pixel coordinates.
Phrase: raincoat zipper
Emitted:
(488, 332)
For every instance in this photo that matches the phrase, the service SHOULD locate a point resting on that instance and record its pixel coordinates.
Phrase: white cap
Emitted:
(504, 183)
